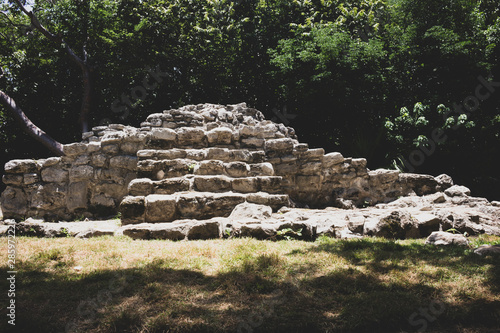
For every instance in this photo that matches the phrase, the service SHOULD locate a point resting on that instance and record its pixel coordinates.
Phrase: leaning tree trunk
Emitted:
(82, 63)
(28, 126)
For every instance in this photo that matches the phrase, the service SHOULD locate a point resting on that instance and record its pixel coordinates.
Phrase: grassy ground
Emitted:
(243, 285)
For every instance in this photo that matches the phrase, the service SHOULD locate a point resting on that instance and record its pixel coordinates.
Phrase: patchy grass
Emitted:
(111, 284)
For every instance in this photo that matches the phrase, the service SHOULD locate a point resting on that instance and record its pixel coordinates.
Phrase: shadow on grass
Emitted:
(253, 297)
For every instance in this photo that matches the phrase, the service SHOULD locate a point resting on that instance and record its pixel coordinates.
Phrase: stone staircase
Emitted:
(192, 169)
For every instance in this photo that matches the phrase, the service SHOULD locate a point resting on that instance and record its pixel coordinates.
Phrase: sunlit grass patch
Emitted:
(119, 285)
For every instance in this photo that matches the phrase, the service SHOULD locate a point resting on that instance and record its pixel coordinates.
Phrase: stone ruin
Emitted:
(196, 163)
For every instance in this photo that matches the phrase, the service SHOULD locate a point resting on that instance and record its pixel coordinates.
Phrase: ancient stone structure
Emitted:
(196, 162)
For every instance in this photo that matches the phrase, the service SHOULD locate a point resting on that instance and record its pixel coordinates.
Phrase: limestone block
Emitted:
(31, 178)
(253, 142)
(77, 196)
(102, 200)
(270, 184)
(82, 172)
(14, 202)
(191, 136)
(82, 160)
(92, 147)
(140, 187)
(285, 169)
(171, 185)
(310, 168)
(308, 183)
(147, 153)
(279, 147)
(51, 161)
(395, 225)
(383, 176)
(212, 183)
(171, 154)
(160, 208)
(261, 169)
(54, 175)
(457, 191)
(132, 210)
(237, 169)
(206, 205)
(220, 135)
(275, 201)
(131, 148)
(99, 160)
(74, 149)
(249, 211)
(111, 149)
(444, 181)
(49, 197)
(196, 154)
(421, 184)
(242, 155)
(211, 167)
(310, 155)
(11, 179)
(125, 162)
(205, 230)
(221, 154)
(446, 238)
(332, 159)
(358, 163)
(113, 137)
(268, 131)
(21, 166)
(245, 185)
(165, 134)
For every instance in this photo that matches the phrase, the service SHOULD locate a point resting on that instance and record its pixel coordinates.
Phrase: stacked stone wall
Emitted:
(249, 153)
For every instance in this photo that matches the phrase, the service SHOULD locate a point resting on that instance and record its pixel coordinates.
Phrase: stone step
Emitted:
(162, 169)
(156, 208)
(204, 183)
(220, 154)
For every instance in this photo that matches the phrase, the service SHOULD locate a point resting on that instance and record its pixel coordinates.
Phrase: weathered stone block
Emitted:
(51, 161)
(187, 136)
(111, 149)
(270, 184)
(21, 166)
(140, 187)
(245, 185)
(212, 183)
(14, 202)
(310, 168)
(205, 230)
(332, 159)
(220, 135)
(237, 169)
(31, 178)
(160, 208)
(279, 147)
(132, 210)
(74, 149)
(211, 167)
(125, 162)
(49, 197)
(171, 186)
(82, 160)
(308, 183)
(165, 134)
(83, 172)
(11, 179)
(77, 196)
(54, 175)
(99, 160)
(253, 142)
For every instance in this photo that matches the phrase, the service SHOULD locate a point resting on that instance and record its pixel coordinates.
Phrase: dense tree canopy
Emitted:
(371, 78)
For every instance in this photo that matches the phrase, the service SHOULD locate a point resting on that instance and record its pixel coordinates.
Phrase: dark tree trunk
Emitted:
(30, 128)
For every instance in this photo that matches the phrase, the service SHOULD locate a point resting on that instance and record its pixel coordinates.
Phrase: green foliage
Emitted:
(368, 78)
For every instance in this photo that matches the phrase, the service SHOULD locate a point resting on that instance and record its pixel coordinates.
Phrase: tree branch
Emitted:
(28, 126)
